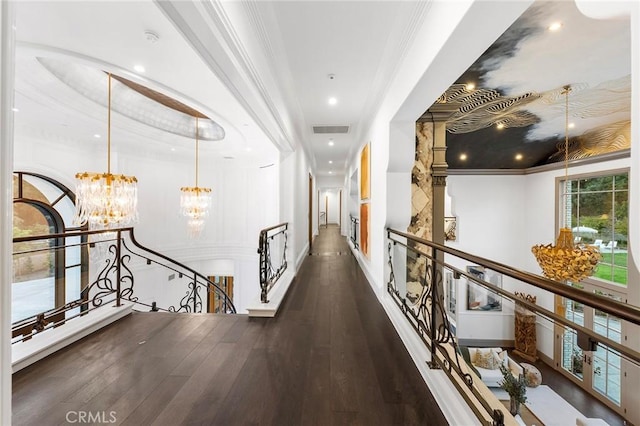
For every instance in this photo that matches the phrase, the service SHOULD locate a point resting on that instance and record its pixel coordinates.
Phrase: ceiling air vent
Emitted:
(330, 129)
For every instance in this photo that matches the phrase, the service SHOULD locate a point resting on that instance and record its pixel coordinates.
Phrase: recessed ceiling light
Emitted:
(572, 125)
(463, 157)
(330, 143)
(173, 149)
(14, 109)
(97, 136)
(555, 26)
(500, 126)
(138, 68)
(519, 157)
(333, 101)
(470, 86)
(330, 162)
(330, 172)
(248, 149)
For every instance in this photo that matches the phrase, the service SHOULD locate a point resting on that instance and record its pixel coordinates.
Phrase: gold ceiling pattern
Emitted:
(610, 138)
(482, 108)
(477, 109)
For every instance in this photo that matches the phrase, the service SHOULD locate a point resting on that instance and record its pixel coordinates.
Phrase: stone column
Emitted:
(430, 174)
(438, 115)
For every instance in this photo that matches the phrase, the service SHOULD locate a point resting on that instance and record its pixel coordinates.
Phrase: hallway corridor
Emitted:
(330, 357)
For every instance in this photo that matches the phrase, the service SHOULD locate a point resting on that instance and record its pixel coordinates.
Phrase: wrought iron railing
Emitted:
(322, 220)
(272, 247)
(115, 281)
(416, 284)
(353, 232)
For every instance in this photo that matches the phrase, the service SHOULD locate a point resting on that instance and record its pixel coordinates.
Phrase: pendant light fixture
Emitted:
(565, 261)
(105, 200)
(195, 201)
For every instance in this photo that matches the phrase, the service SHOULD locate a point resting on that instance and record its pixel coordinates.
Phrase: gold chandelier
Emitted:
(195, 201)
(566, 261)
(105, 200)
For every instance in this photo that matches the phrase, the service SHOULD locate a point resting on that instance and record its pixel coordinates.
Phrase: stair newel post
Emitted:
(118, 269)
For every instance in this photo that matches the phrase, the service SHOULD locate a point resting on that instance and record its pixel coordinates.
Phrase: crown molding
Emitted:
(625, 153)
(396, 55)
(207, 28)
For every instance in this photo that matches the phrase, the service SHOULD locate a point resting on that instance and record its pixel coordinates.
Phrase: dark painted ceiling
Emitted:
(517, 107)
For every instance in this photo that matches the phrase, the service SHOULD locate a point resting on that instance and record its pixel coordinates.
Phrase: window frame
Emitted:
(593, 282)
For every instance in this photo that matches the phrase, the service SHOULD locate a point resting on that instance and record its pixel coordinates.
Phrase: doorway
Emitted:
(598, 370)
(216, 303)
(310, 219)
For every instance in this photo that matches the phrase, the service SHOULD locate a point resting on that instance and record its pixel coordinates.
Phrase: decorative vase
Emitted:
(514, 406)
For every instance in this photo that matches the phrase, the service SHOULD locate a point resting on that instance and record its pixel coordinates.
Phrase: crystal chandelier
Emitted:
(195, 201)
(105, 200)
(566, 261)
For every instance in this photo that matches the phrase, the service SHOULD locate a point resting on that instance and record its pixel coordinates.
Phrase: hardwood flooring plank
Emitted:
(330, 357)
(151, 407)
(316, 406)
(181, 405)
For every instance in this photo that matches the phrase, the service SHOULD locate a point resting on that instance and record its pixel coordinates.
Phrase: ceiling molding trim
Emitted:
(274, 56)
(39, 50)
(218, 14)
(486, 172)
(610, 156)
(207, 29)
(544, 168)
(382, 82)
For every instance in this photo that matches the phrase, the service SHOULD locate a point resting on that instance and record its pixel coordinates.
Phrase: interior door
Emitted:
(310, 211)
(599, 370)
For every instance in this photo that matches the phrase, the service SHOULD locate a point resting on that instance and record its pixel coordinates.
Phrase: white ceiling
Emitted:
(260, 69)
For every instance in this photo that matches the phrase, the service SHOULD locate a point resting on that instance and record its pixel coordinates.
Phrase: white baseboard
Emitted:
(49, 341)
(275, 296)
(301, 256)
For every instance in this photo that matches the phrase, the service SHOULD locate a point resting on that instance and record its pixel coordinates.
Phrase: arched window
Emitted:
(47, 273)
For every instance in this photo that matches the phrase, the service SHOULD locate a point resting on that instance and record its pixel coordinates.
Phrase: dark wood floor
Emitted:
(574, 395)
(330, 357)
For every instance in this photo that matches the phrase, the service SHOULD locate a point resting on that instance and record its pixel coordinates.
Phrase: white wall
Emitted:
(330, 182)
(298, 170)
(501, 218)
(490, 226)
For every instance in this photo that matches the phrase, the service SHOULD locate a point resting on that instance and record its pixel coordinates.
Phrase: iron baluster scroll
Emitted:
(426, 312)
(354, 232)
(114, 282)
(105, 284)
(270, 273)
(191, 302)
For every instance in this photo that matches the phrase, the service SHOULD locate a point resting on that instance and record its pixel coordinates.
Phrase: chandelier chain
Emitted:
(197, 146)
(109, 129)
(565, 91)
